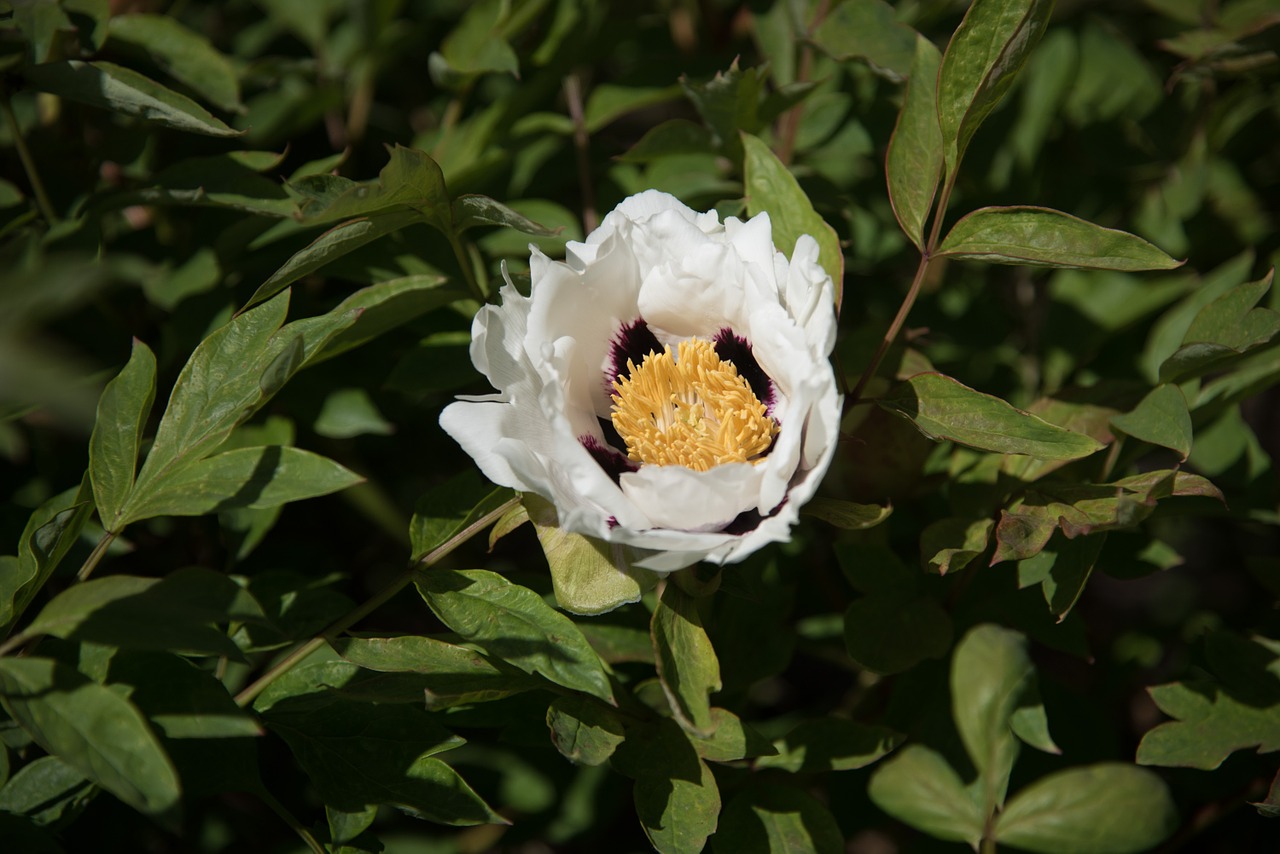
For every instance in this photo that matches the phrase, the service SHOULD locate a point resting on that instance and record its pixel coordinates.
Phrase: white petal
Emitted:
(683, 499)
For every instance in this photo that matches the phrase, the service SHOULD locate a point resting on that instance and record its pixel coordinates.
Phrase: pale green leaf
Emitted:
(585, 731)
(918, 787)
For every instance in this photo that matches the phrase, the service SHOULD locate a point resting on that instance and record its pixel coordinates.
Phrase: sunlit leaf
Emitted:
(117, 432)
(585, 731)
(687, 663)
(918, 787)
(1048, 238)
(831, 744)
(1109, 807)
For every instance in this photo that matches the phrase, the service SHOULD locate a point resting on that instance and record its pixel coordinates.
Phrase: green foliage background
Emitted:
(241, 244)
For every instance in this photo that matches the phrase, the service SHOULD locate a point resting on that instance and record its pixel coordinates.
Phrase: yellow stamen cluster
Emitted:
(692, 410)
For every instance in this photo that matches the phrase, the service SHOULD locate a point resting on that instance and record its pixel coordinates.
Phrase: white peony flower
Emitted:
(666, 388)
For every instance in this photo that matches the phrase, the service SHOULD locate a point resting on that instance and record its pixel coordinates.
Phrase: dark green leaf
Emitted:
(951, 544)
(918, 787)
(186, 55)
(585, 731)
(982, 60)
(942, 408)
(589, 576)
(831, 744)
(672, 137)
(477, 45)
(1041, 237)
(687, 664)
(382, 307)
(350, 412)
(94, 730)
(45, 790)
(334, 243)
(1110, 808)
(247, 477)
(777, 820)
(1062, 570)
(896, 630)
(913, 163)
(512, 623)
(411, 179)
(676, 796)
(771, 188)
(220, 180)
(50, 532)
(990, 672)
(846, 514)
(117, 433)
(181, 700)
(609, 102)
(868, 30)
(1161, 419)
(1226, 328)
(176, 612)
(729, 103)
(102, 84)
(362, 754)
(442, 673)
(450, 508)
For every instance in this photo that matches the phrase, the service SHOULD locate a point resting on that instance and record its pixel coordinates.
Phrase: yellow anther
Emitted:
(690, 410)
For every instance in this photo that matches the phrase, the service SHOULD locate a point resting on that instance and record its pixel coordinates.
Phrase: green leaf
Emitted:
(728, 103)
(918, 787)
(181, 700)
(894, 631)
(989, 674)
(94, 730)
(102, 84)
(472, 210)
(942, 408)
(585, 731)
(608, 102)
(221, 180)
(771, 188)
(512, 623)
(359, 754)
(382, 307)
(173, 613)
(451, 508)
(868, 30)
(334, 243)
(344, 827)
(670, 138)
(777, 820)
(831, 744)
(117, 432)
(982, 60)
(45, 790)
(49, 534)
(913, 163)
(1161, 418)
(257, 478)
(589, 576)
(350, 412)
(687, 664)
(846, 514)
(951, 544)
(1062, 570)
(446, 674)
(1041, 237)
(731, 740)
(231, 374)
(185, 55)
(1209, 724)
(676, 796)
(1110, 808)
(1225, 329)
(411, 179)
(477, 45)
(1078, 509)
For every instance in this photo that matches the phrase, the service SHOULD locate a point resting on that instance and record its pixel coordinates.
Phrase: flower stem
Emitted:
(926, 256)
(287, 817)
(28, 164)
(249, 694)
(91, 562)
(573, 99)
